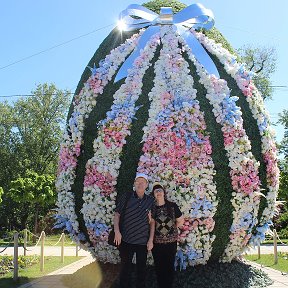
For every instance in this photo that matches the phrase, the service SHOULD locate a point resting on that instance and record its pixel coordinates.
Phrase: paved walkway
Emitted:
(280, 279)
(53, 280)
(268, 249)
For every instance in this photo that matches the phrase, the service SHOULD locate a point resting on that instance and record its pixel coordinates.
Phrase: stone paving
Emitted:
(280, 279)
(53, 280)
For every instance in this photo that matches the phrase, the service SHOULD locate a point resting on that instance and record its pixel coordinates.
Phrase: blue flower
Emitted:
(93, 70)
(180, 256)
(230, 110)
(263, 126)
(259, 237)
(98, 228)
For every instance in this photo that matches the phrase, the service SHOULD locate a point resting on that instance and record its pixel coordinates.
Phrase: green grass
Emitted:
(50, 240)
(33, 272)
(268, 261)
(53, 239)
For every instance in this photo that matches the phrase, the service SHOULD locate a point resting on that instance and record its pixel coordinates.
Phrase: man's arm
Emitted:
(118, 236)
(151, 234)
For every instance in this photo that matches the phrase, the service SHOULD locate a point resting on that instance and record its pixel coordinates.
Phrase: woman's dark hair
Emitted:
(170, 206)
(157, 186)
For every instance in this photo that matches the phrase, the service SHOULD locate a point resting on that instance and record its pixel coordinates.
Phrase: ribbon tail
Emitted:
(198, 51)
(123, 71)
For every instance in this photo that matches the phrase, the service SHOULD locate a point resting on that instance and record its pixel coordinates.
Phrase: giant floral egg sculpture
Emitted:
(207, 138)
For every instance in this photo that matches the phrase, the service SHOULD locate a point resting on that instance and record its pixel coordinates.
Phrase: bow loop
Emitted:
(196, 16)
(129, 17)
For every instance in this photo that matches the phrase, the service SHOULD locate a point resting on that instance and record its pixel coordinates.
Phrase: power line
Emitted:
(249, 32)
(70, 93)
(32, 95)
(55, 46)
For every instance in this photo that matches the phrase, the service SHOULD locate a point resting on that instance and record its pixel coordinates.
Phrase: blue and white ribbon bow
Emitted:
(194, 16)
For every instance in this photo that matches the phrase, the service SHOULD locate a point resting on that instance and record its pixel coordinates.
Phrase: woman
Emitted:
(167, 218)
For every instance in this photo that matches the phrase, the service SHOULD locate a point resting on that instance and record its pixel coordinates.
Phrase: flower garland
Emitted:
(244, 168)
(256, 104)
(177, 151)
(72, 139)
(102, 170)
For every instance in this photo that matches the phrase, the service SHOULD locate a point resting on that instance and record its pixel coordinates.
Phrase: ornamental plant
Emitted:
(207, 139)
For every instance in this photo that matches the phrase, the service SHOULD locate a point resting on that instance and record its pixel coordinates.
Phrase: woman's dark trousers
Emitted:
(164, 258)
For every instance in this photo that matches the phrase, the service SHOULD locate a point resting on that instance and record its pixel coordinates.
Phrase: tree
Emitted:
(283, 164)
(30, 136)
(281, 222)
(283, 186)
(283, 147)
(1, 193)
(8, 156)
(31, 131)
(39, 123)
(35, 192)
(261, 61)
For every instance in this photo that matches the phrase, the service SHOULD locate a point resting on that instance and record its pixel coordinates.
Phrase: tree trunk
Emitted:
(36, 222)
(24, 221)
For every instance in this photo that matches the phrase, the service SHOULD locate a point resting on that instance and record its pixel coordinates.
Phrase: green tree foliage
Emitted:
(31, 131)
(30, 134)
(283, 147)
(156, 5)
(283, 164)
(1, 193)
(283, 187)
(35, 192)
(7, 143)
(281, 222)
(261, 61)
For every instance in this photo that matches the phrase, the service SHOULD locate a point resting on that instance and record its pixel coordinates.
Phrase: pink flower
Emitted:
(66, 160)
(102, 180)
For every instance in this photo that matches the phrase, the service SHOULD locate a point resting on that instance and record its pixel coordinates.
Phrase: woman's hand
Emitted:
(117, 238)
(180, 222)
(149, 245)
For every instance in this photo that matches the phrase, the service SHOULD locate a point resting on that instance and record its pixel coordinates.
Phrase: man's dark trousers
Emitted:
(126, 254)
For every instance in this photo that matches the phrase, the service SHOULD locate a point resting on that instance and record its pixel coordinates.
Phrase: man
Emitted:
(135, 232)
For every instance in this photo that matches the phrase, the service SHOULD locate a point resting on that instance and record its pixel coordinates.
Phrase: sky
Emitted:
(64, 34)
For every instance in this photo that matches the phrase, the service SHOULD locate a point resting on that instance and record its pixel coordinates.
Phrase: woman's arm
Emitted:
(180, 221)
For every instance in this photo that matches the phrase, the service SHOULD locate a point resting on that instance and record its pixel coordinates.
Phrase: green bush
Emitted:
(281, 223)
(7, 265)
